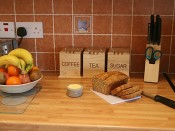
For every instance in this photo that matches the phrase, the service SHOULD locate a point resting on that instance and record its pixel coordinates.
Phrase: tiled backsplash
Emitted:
(114, 23)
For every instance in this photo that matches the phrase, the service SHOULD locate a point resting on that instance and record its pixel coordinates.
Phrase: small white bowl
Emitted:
(19, 88)
(74, 90)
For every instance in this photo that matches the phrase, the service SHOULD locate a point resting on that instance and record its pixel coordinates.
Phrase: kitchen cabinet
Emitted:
(53, 110)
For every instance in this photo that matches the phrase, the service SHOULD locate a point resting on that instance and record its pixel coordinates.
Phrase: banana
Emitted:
(25, 55)
(23, 64)
(28, 68)
(10, 60)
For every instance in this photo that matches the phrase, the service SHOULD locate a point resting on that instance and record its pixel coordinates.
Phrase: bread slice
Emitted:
(120, 88)
(127, 91)
(131, 95)
(107, 81)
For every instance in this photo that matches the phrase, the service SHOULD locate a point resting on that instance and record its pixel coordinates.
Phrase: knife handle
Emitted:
(149, 33)
(154, 33)
(159, 23)
(152, 27)
(165, 101)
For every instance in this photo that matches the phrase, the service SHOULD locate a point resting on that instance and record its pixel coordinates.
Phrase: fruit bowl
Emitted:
(19, 88)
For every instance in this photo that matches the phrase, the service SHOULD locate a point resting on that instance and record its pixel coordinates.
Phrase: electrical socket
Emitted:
(7, 30)
(34, 29)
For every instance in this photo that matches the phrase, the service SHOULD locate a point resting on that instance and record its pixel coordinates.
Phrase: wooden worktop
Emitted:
(53, 110)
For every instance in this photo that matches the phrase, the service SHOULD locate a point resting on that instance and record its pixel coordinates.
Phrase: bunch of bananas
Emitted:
(20, 58)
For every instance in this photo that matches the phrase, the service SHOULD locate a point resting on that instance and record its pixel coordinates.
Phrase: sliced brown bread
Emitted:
(127, 91)
(131, 95)
(120, 88)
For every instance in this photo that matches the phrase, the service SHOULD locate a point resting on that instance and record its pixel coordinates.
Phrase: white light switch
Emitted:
(7, 30)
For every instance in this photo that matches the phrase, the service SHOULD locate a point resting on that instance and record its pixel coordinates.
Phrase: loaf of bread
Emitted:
(107, 81)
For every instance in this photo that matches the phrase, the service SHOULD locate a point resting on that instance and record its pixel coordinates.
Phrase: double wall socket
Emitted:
(7, 30)
(34, 29)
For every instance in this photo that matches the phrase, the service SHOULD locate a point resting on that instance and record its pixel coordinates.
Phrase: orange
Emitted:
(13, 70)
(13, 80)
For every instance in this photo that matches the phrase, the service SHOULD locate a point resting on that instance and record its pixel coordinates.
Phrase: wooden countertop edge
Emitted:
(72, 127)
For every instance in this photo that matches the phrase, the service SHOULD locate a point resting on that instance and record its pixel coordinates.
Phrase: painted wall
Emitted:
(112, 23)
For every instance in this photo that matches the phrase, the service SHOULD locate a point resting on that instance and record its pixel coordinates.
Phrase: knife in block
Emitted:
(151, 73)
